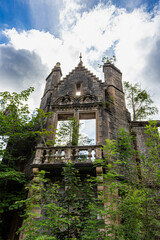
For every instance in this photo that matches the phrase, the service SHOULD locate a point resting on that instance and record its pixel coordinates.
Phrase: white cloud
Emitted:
(70, 13)
(134, 36)
(43, 43)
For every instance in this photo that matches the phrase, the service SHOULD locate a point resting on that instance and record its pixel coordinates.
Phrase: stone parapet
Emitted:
(66, 154)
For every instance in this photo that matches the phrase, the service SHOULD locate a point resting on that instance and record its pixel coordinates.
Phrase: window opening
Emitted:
(71, 133)
(78, 89)
(87, 132)
(67, 130)
(64, 133)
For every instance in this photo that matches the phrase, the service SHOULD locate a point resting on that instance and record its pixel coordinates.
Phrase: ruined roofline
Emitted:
(85, 70)
(81, 67)
(78, 68)
(143, 123)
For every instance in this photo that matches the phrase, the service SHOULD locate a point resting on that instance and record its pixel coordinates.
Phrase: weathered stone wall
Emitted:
(141, 138)
(138, 128)
(106, 99)
(116, 115)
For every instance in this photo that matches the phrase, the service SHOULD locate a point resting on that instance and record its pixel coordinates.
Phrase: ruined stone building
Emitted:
(84, 96)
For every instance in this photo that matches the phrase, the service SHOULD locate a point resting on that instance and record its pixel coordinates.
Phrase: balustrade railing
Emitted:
(76, 154)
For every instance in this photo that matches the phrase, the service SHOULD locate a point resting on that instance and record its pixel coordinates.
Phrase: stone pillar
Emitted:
(54, 77)
(99, 174)
(51, 82)
(51, 125)
(35, 210)
(116, 112)
(112, 76)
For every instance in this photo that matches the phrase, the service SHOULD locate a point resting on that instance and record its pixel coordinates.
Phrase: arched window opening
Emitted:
(78, 89)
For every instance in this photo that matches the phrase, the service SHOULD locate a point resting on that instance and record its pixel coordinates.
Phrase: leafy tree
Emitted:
(19, 132)
(42, 196)
(13, 130)
(139, 101)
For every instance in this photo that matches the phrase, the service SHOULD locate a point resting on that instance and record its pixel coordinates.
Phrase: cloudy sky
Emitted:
(35, 34)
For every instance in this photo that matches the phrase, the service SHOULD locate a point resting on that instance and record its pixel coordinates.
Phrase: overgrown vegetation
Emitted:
(110, 60)
(126, 209)
(66, 209)
(137, 184)
(139, 101)
(19, 131)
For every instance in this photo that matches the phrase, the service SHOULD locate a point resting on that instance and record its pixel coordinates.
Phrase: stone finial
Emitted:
(80, 63)
(80, 57)
(57, 66)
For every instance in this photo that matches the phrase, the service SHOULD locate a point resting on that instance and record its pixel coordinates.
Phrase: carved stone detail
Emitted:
(71, 100)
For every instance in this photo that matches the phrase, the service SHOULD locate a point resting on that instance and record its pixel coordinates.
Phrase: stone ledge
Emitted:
(143, 123)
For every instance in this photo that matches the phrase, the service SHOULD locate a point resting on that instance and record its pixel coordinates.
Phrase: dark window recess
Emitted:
(78, 89)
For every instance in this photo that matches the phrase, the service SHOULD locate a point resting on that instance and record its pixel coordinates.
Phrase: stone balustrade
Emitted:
(76, 154)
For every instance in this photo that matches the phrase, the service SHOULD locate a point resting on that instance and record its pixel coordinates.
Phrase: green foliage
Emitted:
(139, 101)
(68, 134)
(128, 209)
(67, 212)
(111, 60)
(39, 122)
(13, 130)
(138, 202)
(42, 198)
(19, 132)
(132, 212)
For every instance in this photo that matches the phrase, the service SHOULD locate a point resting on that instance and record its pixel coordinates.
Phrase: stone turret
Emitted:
(117, 115)
(112, 76)
(51, 82)
(54, 77)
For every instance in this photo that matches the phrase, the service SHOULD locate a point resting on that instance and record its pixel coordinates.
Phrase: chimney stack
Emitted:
(112, 76)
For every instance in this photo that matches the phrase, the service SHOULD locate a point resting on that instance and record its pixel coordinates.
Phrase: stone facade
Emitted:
(84, 96)
(103, 101)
